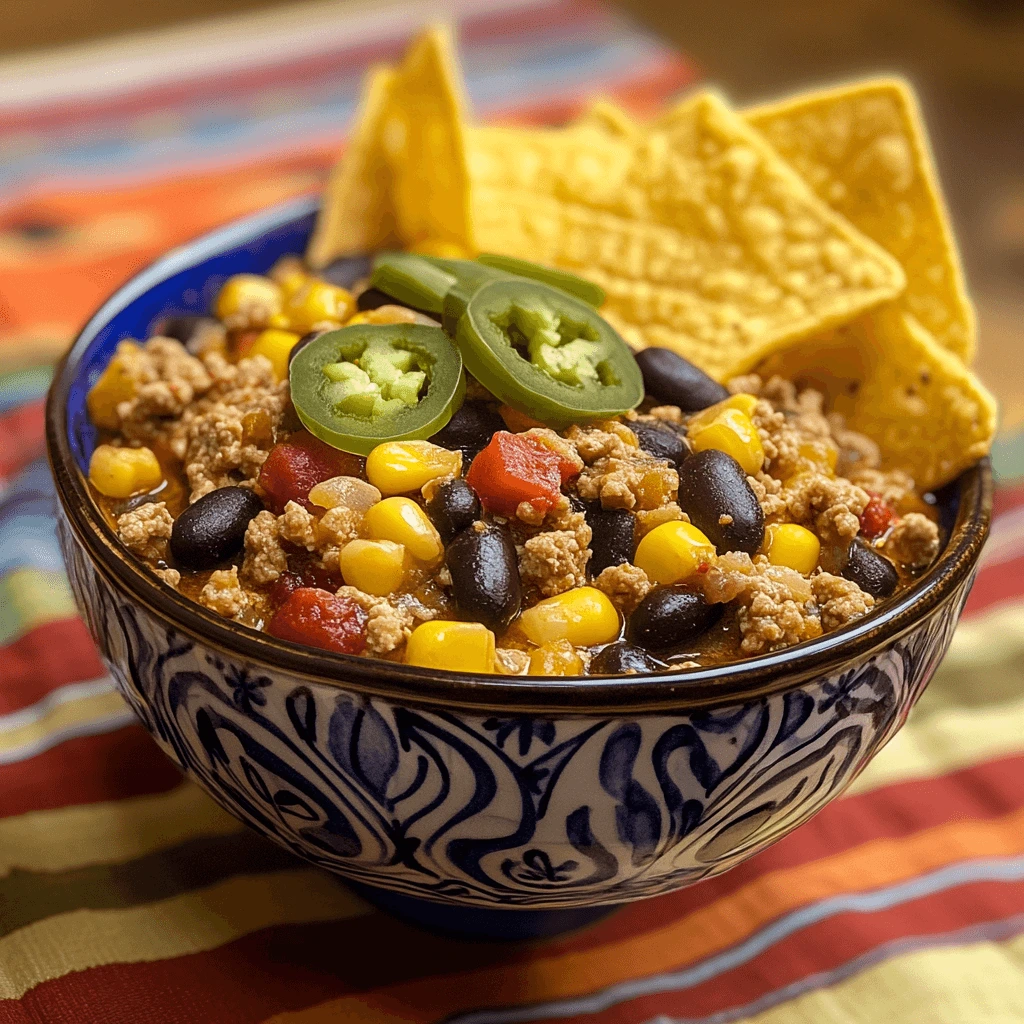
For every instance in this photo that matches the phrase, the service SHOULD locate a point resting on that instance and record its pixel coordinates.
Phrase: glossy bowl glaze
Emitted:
(453, 795)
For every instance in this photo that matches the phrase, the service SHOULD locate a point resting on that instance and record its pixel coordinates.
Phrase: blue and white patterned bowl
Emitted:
(503, 805)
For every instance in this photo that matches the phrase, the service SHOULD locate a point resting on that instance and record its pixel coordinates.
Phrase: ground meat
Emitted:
(146, 530)
(768, 492)
(648, 520)
(166, 378)
(170, 576)
(298, 527)
(566, 449)
(914, 541)
(666, 413)
(830, 505)
(839, 600)
(618, 471)
(388, 624)
(224, 438)
(775, 604)
(626, 584)
(265, 559)
(893, 486)
(338, 526)
(555, 561)
(223, 594)
(857, 451)
(511, 662)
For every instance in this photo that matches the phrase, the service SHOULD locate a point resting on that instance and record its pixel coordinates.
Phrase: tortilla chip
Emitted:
(609, 117)
(891, 380)
(424, 139)
(863, 150)
(356, 214)
(705, 241)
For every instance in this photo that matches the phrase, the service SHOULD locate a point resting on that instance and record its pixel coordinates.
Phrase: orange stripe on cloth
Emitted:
(685, 941)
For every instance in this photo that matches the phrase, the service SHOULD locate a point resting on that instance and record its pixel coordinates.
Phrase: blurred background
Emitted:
(126, 127)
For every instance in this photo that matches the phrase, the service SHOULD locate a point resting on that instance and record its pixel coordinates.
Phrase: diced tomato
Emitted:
(876, 518)
(304, 571)
(515, 468)
(318, 618)
(298, 464)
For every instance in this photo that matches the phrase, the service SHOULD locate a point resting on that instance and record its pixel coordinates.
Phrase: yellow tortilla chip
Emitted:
(356, 214)
(705, 241)
(863, 150)
(424, 139)
(891, 380)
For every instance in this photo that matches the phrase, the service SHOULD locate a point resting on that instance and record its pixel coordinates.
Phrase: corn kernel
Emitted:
(391, 314)
(451, 646)
(117, 384)
(744, 402)
(276, 345)
(404, 522)
(373, 566)
(318, 302)
(399, 467)
(792, 546)
(122, 472)
(673, 551)
(734, 433)
(558, 658)
(821, 453)
(289, 274)
(349, 491)
(583, 616)
(248, 300)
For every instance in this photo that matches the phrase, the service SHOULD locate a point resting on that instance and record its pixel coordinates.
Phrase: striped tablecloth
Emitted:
(127, 896)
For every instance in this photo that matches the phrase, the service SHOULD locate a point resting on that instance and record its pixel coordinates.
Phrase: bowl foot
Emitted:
(511, 925)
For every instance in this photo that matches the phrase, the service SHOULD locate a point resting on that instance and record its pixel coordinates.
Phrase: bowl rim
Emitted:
(679, 690)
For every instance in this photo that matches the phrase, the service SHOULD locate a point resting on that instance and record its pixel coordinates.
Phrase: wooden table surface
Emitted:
(965, 57)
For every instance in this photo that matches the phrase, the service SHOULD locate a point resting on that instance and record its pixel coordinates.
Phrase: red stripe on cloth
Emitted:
(88, 770)
(21, 437)
(51, 655)
(1006, 499)
(995, 585)
(292, 966)
(822, 948)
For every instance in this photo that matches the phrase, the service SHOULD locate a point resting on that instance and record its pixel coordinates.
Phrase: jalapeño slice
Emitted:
(411, 280)
(592, 294)
(547, 353)
(359, 386)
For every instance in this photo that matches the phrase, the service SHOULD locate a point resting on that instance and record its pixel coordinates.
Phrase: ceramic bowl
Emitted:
(490, 804)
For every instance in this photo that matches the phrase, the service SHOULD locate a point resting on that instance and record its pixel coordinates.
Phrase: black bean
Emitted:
(620, 658)
(372, 298)
(453, 507)
(872, 572)
(614, 536)
(673, 380)
(302, 343)
(485, 575)
(346, 270)
(713, 487)
(470, 429)
(670, 616)
(661, 442)
(213, 528)
(192, 331)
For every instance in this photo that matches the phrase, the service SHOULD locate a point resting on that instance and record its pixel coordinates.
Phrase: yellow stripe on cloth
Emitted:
(72, 717)
(32, 597)
(179, 926)
(973, 711)
(977, 983)
(109, 833)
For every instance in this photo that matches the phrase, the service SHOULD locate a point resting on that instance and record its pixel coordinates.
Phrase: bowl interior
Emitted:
(185, 281)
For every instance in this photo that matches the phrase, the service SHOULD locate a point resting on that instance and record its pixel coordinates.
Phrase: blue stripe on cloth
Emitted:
(28, 527)
(987, 931)
(955, 875)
